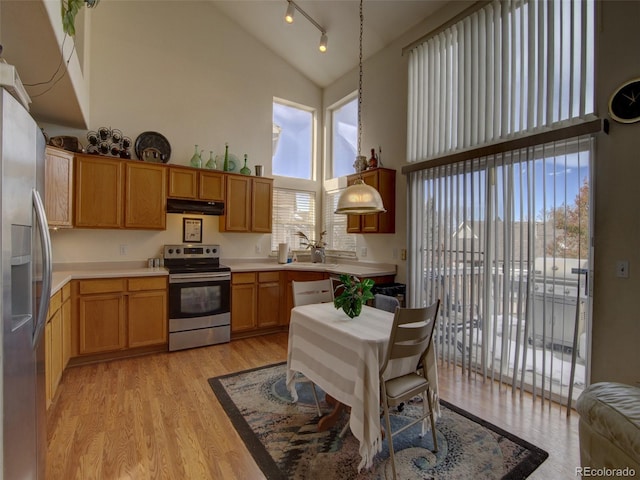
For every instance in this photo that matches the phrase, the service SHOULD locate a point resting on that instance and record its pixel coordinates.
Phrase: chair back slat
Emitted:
(411, 333)
(314, 291)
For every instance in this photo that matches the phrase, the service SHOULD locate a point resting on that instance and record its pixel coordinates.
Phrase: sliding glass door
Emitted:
(503, 242)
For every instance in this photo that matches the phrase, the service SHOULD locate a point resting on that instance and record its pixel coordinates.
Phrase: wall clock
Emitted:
(624, 104)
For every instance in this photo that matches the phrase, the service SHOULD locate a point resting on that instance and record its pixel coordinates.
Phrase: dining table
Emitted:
(343, 356)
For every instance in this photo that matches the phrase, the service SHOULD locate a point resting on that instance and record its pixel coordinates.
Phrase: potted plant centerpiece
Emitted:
(354, 294)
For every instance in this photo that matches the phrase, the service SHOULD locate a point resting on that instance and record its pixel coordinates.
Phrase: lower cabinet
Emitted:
(255, 302)
(57, 331)
(121, 313)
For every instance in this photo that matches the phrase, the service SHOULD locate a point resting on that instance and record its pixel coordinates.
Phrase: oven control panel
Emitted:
(191, 251)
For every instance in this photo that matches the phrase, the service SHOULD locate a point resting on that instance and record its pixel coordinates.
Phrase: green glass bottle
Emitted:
(196, 160)
(225, 166)
(211, 164)
(245, 170)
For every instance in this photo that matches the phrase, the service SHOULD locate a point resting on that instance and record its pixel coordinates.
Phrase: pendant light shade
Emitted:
(360, 199)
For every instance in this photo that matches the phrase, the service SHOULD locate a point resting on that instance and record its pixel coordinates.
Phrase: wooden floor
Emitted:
(155, 417)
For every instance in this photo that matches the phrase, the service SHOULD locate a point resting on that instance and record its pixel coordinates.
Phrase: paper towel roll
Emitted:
(283, 252)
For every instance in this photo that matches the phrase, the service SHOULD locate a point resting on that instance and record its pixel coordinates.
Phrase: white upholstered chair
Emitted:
(410, 339)
(305, 293)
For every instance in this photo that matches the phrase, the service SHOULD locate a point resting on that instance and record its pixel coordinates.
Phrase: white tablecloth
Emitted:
(343, 357)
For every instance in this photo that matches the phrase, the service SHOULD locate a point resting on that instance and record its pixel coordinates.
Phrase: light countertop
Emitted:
(64, 273)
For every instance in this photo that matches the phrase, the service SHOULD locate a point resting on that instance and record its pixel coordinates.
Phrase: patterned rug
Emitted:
(283, 439)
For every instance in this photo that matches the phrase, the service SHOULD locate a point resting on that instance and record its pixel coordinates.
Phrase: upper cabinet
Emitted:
(191, 183)
(58, 188)
(383, 180)
(248, 204)
(115, 193)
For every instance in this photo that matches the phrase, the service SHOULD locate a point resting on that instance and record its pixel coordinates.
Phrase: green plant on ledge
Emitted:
(69, 10)
(354, 294)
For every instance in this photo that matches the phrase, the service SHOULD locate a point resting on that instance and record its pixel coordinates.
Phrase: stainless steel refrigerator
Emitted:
(26, 287)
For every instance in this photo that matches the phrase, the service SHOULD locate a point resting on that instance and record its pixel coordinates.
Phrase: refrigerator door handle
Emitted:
(45, 239)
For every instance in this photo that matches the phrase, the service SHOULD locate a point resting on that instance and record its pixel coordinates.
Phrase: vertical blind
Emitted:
(503, 239)
(514, 67)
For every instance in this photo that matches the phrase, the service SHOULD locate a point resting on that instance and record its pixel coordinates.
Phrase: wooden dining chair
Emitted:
(410, 339)
(305, 293)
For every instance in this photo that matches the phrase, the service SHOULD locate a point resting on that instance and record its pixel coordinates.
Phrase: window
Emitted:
(344, 137)
(336, 237)
(292, 141)
(503, 239)
(293, 211)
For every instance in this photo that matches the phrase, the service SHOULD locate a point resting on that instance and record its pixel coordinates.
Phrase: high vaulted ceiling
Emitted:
(384, 22)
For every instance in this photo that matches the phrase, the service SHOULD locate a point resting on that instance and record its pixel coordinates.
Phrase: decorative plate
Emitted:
(153, 142)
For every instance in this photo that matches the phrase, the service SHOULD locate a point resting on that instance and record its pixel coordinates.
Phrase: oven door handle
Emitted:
(197, 277)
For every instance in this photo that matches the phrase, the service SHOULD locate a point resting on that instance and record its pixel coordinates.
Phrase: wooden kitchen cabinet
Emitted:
(268, 299)
(255, 302)
(115, 193)
(66, 325)
(383, 180)
(99, 191)
(58, 189)
(119, 314)
(53, 347)
(248, 204)
(145, 196)
(147, 311)
(195, 184)
(243, 302)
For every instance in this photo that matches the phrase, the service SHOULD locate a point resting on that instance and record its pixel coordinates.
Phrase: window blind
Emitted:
(508, 69)
(337, 237)
(293, 211)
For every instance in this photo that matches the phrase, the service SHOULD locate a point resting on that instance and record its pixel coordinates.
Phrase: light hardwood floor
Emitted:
(155, 417)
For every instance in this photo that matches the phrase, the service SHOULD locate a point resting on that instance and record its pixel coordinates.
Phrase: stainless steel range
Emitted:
(199, 296)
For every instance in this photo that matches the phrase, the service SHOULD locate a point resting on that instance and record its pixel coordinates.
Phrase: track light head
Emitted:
(288, 17)
(323, 42)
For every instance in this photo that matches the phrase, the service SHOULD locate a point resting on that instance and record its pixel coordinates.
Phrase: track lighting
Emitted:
(323, 42)
(288, 17)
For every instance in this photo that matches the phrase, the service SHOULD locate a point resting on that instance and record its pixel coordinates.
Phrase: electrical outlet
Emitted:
(258, 249)
(124, 249)
(622, 269)
(394, 253)
(363, 251)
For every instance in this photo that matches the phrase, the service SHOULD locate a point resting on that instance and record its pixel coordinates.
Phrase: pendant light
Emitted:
(360, 198)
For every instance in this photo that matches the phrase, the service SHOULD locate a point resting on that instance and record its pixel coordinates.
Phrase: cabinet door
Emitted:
(66, 333)
(369, 223)
(99, 192)
(243, 307)
(56, 351)
(268, 299)
(145, 195)
(211, 186)
(58, 178)
(261, 205)
(147, 318)
(237, 217)
(47, 363)
(101, 319)
(183, 182)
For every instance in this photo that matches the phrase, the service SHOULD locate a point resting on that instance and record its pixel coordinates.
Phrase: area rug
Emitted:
(282, 437)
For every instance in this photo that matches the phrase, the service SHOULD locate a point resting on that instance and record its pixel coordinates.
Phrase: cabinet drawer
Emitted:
(268, 277)
(66, 292)
(147, 283)
(54, 303)
(102, 286)
(245, 277)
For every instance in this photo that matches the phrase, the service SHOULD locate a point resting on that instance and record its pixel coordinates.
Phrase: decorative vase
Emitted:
(196, 160)
(225, 166)
(245, 170)
(211, 164)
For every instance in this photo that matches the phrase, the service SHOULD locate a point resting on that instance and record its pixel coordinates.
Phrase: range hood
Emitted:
(199, 207)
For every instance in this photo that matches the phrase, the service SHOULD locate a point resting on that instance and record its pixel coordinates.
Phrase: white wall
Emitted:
(186, 71)
(616, 322)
